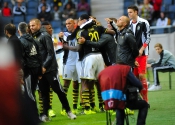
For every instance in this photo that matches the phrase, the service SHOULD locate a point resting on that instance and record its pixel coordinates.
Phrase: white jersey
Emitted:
(72, 57)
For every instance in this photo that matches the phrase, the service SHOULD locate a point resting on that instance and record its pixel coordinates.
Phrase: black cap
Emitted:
(84, 16)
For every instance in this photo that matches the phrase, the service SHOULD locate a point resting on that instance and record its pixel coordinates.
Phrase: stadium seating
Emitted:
(167, 2)
(18, 19)
(32, 11)
(32, 4)
(56, 23)
(29, 17)
(128, 3)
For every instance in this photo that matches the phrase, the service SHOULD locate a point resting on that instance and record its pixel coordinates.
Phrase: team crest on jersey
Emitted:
(65, 75)
(138, 28)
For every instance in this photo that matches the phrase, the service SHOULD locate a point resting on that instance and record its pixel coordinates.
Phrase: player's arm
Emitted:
(146, 34)
(102, 41)
(72, 48)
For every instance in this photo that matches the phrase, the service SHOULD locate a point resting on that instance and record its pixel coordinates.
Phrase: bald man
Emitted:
(49, 70)
(127, 49)
(70, 59)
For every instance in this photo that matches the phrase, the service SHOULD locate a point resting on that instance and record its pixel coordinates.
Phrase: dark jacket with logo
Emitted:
(30, 54)
(127, 49)
(46, 50)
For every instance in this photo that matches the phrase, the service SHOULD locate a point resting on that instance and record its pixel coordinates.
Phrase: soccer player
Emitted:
(92, 61)
(141, 30)
(70, 59)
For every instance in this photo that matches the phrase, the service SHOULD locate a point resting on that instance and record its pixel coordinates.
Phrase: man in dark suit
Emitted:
(14, 42)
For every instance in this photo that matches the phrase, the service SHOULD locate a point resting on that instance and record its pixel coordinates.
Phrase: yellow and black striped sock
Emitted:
(40, 106)
(85, 98)
(51, 97)
(75, 97)
(92, 98)
(100, 100)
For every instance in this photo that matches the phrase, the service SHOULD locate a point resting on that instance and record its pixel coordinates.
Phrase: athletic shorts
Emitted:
(78, 67)
(70, 72)
(142, 60)
(92, 65)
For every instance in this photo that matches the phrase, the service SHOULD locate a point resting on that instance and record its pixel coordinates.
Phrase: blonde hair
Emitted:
(158, 45)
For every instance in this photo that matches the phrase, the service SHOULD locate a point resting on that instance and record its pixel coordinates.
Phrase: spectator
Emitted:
(43, 2)
(57, 3)
(19, 9)
(146, 10)
(163, 20)
(84, 6)
(71, 3)
(156, 4)
(166, 61)
(6, 11)
(43, 15)
(56, 13)
(68, 13)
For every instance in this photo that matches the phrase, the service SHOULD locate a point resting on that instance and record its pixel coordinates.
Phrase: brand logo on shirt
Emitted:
(33, 51)
(110, 103)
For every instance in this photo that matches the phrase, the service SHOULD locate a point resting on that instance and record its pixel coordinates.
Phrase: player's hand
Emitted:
(148, 65)
(43, 70)
(81, 40)
(39, 77)
(108, 20)
(136, 64)
(60, 35)
(65, 46)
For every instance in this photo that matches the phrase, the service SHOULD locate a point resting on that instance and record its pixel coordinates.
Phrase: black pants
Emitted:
(157, 69)
(141, 105)
(31, 81)
(34, 73)
(51, 79)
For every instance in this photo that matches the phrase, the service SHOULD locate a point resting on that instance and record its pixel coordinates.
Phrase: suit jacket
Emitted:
(15, 43)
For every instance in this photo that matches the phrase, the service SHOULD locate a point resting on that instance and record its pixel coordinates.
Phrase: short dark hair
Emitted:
(133, 7)
(45, 23)
(84, 16)
(10, 28)
(23, 27)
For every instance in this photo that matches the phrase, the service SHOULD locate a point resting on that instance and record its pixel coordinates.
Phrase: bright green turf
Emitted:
(162, 111)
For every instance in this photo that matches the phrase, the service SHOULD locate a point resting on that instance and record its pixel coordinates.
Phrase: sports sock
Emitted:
(144, 91)
(75, 97)
(92, 98)
(85, 98)
(51, 97)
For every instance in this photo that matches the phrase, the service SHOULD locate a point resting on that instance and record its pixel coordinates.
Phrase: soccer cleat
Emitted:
(71, 115)
(155, 88)
(44, 118)
(89, 112)
(75, 111)
(129, 112)
(95, 109)
(51, 113)
(63, 112)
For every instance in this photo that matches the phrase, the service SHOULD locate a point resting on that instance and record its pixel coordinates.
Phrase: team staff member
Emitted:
(31, 65)
(141, 30)
(70, 59)
(49, 69)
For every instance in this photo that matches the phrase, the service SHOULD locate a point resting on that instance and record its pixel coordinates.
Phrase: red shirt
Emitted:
(6, 12)
(157, 4)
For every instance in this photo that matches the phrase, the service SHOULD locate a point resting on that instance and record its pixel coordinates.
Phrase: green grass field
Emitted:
(162, 111)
